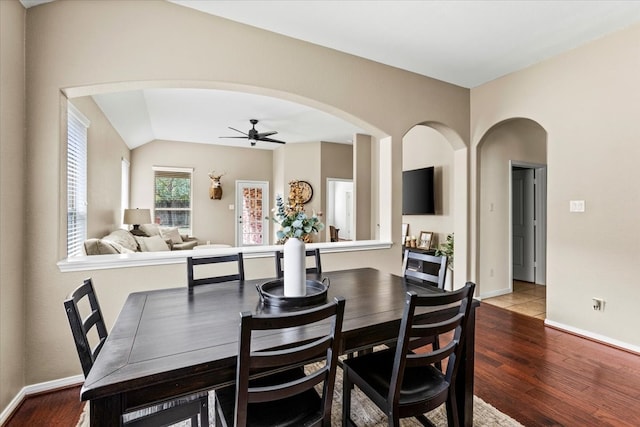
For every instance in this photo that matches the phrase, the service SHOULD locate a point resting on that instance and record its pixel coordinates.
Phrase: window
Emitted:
(173, 197)
(77, 125)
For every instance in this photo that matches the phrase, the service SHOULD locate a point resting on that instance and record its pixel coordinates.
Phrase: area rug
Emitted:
(365, 414)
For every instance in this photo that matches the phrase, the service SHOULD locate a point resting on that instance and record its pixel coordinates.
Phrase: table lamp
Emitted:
(136, 217)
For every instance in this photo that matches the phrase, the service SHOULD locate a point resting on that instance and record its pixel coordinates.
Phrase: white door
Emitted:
(252, 213)
(523, 224)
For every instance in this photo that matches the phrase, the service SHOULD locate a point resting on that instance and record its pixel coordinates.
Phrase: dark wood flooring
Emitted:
(537, 375)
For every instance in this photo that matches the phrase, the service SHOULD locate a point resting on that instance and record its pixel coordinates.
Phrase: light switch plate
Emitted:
(576, 206)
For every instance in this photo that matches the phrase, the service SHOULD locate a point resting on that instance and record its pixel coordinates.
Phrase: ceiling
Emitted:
(466, 43)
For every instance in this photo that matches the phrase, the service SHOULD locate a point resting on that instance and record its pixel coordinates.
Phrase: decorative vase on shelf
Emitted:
(295, 279)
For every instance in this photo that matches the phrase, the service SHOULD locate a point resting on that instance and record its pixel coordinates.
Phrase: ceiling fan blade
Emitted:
(238, 131)
(271, 140)
(264, 134)
(239, 137)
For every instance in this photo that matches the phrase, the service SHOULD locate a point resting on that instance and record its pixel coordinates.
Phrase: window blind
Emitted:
(77, 126)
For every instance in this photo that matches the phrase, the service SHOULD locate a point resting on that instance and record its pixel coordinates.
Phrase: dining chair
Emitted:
(403, 383)
(284, 394)
(192, 262)
(91, 329)
(314, 253)
(433, 271)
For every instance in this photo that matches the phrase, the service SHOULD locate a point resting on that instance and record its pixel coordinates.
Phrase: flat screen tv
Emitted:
(417, 192)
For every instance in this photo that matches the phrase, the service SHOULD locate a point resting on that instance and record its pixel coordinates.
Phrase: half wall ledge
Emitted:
(105, 262)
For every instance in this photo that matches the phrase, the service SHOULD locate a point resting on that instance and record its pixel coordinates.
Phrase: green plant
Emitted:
(294, 222)
(446, 249)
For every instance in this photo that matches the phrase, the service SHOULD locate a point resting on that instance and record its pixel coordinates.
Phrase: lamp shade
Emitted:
(137, 216)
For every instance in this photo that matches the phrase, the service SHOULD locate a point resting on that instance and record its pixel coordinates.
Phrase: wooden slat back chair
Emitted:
(314, 253)
(407, 384)
(192, 262)
(83, 299)
(284, 393)
(434, 268)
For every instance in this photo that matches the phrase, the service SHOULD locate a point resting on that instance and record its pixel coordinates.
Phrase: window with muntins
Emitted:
(172, 190)
(77, 125)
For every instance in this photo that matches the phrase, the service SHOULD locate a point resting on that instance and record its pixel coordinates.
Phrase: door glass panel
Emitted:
(252, 229)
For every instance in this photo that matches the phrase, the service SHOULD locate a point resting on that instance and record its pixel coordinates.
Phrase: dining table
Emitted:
(172, 342)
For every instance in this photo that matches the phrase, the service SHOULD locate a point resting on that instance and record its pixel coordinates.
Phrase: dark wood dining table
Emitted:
(170, 342)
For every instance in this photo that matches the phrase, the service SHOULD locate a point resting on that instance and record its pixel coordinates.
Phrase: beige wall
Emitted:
(105, 151)
(212, 219)
(517, 140)
(12, 201)
(129, 42)
(588, 102)
(423, 147)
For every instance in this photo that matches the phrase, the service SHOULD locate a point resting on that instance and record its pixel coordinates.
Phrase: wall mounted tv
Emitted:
(417, 192)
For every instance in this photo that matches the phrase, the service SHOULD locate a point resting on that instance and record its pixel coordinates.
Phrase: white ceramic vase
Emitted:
(295, 279)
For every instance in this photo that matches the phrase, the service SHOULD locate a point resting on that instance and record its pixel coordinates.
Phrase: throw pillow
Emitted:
(150, 229)
(172, 234)
(122, 238)
(152, 244)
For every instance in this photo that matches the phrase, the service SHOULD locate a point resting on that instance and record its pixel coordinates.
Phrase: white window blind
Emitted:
(77, 126)
(172, 190)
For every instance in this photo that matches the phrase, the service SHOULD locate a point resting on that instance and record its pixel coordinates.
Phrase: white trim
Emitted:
(495, 293)
(171, 169)
(590, 335)
(139, 259)
(81, 117)
(37, 388)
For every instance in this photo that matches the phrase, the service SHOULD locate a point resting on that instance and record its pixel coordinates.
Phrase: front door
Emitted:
(252, 213)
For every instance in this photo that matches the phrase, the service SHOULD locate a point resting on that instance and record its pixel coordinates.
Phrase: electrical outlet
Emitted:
(598, 304)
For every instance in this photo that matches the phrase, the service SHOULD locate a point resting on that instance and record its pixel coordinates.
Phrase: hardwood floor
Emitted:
(537, 375)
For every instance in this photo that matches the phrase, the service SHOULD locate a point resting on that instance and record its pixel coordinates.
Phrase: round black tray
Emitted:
(272, 294)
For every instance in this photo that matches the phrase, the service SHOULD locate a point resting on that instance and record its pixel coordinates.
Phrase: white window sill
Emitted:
(140, 259)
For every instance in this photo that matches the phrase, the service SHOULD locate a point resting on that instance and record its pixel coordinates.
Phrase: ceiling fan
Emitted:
(254, 135)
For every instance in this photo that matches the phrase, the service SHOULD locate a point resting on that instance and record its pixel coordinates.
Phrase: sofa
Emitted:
(148, 238)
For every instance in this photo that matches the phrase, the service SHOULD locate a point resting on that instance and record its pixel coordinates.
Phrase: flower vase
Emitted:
(295, 278)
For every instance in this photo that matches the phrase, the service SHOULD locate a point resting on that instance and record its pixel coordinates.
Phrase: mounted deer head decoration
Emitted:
(215, 191)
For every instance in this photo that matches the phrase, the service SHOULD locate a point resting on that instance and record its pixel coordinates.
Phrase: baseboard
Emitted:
(36, 389)
(594, 337)
(497, 293)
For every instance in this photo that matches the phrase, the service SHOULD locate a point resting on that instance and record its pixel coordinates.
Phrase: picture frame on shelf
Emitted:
(424, 242)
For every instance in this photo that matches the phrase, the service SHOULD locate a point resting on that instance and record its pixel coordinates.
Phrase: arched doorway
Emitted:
(432, 144)
(512, 158)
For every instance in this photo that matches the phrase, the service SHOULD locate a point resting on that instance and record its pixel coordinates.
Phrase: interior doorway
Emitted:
(340, 207)
(528, 222)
